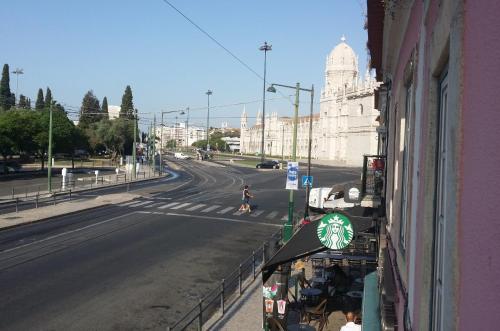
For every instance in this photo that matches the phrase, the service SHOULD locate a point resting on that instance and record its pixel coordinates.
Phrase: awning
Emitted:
(305, 241)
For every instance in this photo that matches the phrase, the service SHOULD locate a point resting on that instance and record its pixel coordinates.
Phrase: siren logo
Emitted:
(335, 231)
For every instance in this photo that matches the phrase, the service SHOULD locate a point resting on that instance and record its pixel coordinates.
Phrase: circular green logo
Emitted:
(335, 231)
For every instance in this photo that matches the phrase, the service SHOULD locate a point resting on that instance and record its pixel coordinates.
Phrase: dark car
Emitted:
(268, 165)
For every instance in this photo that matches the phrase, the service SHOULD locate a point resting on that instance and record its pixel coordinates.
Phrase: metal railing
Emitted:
(229, 289)
(65, 192)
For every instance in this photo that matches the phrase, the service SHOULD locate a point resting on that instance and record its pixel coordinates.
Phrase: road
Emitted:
(141, 264)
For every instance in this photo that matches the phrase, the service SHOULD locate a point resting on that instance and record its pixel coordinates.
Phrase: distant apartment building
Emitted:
(178, 133)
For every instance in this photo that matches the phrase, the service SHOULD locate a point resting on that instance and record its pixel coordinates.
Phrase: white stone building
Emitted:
(343, 130)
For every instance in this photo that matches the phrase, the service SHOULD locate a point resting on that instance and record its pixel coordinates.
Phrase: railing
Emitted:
(372, 176)
(19, 197)
(229, 289)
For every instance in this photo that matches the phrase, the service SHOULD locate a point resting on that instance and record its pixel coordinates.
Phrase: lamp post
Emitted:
(17, 72)
(187, 126)
(288, 227)
(264, 48)
(208, 93)
(134, 147)
(49, 166)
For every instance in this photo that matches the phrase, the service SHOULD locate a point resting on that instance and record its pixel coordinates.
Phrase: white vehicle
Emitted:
(327, 198)
(181, 156)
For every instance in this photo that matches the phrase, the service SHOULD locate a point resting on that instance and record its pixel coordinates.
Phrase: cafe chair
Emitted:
(317, 313)
(274, 324)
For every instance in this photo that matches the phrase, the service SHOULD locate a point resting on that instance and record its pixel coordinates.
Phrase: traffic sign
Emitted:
(307, 181)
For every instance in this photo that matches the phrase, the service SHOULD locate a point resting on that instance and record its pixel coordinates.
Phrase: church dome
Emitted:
(342, 58)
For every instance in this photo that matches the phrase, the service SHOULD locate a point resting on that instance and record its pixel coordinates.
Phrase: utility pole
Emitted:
(154, 144)
(17, 72)
(134, 156)
(308, 187)
(161, 144)
(282, 142)
(264, 48)
(49, 166)
(208, 93)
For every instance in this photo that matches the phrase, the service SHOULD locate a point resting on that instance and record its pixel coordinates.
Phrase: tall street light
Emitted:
(49, 166)
(288, 228)
(264, 48)
(17, 72)
(208, 93)
(187, 126)
(134, 147)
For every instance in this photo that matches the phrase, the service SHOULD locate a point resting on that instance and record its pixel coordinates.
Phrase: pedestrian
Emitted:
(245, 200)
(350, 325)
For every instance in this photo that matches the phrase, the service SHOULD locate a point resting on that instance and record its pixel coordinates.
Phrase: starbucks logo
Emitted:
(335, 231)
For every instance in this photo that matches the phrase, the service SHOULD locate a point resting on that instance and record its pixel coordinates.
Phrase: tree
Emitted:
(23, 102)
(117, 135)
(7, 99)
(90, 110)
(127, 106)
(48, 98)
(40, 103)
(104, 108)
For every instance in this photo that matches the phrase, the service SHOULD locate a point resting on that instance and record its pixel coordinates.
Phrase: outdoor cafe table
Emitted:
(311, 295)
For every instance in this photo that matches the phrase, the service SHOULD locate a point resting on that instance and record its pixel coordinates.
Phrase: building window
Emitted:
(405, 180)
(440, 216)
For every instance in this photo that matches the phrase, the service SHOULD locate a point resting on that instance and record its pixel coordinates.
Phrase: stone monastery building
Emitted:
(343, 130)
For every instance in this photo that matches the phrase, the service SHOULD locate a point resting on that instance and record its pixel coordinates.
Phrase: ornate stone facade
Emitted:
(343, 130)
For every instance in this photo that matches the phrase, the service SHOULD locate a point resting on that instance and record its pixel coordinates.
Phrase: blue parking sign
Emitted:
(307, 181)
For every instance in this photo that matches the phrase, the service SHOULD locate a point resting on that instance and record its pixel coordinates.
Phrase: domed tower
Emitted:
(341, 68)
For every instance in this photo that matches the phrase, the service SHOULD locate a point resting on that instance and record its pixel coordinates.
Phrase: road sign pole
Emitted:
(308, 188)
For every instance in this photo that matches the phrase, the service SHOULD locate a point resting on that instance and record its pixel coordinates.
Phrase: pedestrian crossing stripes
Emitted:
(181, 205)
(204, 208)
(168, 205)
(225, 210)
(272, 214)
(209, 209)
(195, 207)
(141, 204)
(257, 213)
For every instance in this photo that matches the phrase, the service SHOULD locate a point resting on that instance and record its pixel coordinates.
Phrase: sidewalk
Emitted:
(34, 215)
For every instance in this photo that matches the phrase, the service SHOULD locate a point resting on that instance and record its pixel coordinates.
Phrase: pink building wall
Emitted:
(479, 221)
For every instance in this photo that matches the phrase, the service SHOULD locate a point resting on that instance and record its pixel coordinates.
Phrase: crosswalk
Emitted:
(204, 208)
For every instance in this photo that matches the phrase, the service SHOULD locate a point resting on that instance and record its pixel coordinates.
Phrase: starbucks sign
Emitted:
(335, 231)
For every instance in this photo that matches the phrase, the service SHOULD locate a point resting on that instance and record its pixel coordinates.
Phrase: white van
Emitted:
(181, 156)
(324, 198)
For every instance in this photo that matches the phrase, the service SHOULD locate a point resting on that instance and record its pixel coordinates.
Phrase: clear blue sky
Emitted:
(74, 46)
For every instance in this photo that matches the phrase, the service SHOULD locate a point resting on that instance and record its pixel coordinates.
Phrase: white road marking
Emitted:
(201, 205)
(210, 208)
(181, 205)
(225, 210)
(127, 203)
(272, 214)
(168, 205)
(256, 213)
(154, 205)
(141, 204)
(285, 217)
(239, 212)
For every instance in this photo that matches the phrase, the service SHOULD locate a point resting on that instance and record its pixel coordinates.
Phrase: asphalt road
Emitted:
(141, 265)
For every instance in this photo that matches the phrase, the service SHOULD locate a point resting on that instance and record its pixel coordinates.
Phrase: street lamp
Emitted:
(208, 93)
(187, 126)
(134, 156)
(17, 72)
(288, 228)
(49, 166)
(264, 48)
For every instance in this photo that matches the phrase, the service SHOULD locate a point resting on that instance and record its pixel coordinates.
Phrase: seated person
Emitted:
(350, 317)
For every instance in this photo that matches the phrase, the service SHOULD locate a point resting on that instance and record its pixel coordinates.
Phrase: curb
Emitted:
(9, 227)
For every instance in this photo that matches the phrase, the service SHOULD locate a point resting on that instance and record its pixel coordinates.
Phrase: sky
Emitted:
(76, 46)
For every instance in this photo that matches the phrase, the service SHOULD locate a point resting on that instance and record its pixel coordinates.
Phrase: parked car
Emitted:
(324, 199)
(181, 156)
(269, 164)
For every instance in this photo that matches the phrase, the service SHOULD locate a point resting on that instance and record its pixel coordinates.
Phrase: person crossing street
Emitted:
(245, 198)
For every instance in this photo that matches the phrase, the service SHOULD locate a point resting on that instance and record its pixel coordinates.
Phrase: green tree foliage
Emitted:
(40, 103)
(90, 110)
(116, 135)
(48, 98)
(104, 108)
(127, 106)
(23, 102)
(7, 99)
